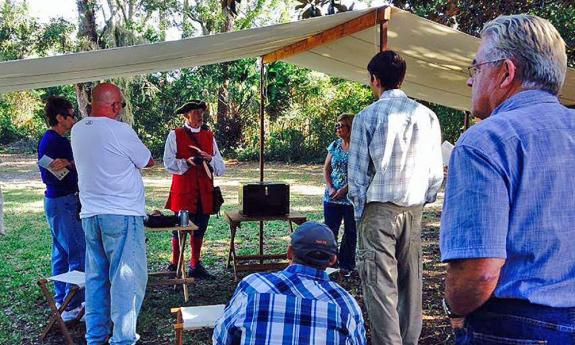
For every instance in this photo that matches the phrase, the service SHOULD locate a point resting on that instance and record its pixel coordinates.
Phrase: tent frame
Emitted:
(380, 15)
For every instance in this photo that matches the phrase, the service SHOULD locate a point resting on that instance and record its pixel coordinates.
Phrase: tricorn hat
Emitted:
(192, 105)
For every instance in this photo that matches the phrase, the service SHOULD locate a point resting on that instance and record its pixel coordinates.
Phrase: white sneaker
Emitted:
(69, 315)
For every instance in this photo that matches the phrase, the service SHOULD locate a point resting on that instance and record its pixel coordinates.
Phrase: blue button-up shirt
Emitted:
(511, 194)
(298, 305)
(394, 153)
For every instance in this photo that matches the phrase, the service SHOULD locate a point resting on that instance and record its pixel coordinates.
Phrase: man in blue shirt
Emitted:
(298, 305)
(507, 228)
(61, 201)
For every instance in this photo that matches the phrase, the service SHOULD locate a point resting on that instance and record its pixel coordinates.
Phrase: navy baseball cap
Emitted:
(314, 243)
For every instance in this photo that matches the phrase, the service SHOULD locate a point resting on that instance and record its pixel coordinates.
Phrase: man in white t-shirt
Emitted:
(108, 156)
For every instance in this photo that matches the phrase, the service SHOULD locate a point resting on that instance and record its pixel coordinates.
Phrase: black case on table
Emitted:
(264, 199)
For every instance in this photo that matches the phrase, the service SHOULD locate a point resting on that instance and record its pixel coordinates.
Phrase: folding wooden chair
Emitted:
(190, 318)
(78, 280)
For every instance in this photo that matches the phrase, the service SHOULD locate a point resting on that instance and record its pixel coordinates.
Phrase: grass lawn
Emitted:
(25, 252)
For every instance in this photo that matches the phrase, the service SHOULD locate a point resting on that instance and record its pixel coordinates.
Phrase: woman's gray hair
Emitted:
(533, 44)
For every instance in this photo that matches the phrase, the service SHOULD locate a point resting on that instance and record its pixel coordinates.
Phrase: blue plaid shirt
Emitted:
(298, 305)
(394, 154)
(510, 194)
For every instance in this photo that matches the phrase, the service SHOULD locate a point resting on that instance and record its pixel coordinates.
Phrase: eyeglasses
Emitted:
(340, 126)
(473, 69)
(123, 103)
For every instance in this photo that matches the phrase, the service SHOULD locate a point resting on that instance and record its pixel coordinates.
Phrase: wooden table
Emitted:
(179, 276)
(235, 220)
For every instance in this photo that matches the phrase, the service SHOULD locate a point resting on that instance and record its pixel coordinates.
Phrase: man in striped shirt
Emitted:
(395, 167)
(298, 305)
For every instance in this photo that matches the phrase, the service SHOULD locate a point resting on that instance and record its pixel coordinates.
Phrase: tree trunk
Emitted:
(83, 98)
(89, 41)
(124, 85)
(223, 102)
(185, 28)
(223, 117)
(228, 19)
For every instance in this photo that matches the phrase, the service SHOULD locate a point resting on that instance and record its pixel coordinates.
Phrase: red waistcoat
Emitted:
(195, 184)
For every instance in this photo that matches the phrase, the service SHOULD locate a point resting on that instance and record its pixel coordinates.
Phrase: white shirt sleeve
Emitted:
(134, 148)
(217, 162)
(436, 162)
(171, 163)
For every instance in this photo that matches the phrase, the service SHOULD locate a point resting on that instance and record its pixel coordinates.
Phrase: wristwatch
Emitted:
(450, 314)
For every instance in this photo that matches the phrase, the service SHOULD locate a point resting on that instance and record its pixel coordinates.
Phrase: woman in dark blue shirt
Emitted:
(336, 207)
(61, 202)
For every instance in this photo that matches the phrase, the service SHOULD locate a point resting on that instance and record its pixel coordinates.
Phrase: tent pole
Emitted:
(466, 120)
(262, 99)
(383, 24)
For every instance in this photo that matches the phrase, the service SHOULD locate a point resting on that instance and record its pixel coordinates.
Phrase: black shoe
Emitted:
(199, 272)
(171, 267)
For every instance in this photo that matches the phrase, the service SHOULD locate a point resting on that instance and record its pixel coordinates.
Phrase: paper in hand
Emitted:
(446, 150)
(45, 162)
(204, 163)
(207, 169)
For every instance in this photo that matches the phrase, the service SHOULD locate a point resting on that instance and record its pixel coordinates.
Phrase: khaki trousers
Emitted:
(390, 267)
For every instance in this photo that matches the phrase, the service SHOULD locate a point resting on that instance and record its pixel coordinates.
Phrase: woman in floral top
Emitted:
(336, 207)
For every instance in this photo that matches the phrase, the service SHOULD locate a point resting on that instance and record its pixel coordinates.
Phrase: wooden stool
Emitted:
(190, 318)
(78, 280)
(179, 277)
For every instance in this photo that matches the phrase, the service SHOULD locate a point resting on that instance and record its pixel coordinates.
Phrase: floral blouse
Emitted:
(339, 159)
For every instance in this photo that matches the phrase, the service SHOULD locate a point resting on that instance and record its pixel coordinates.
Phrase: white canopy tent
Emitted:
(339, 45)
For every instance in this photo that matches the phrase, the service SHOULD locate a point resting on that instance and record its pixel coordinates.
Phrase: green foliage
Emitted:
(8, 131)
(18, 32)
(313, 8)
(451, 122)
(302, 107)
(287, 144)
(22, 36)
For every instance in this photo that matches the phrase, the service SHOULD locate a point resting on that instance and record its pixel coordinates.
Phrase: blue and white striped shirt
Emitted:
(394, 154)
(298, 305)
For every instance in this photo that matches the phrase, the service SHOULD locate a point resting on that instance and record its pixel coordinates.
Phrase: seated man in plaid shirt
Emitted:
(298, 305)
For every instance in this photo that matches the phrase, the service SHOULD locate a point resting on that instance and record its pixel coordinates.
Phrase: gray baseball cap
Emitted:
(314, 243)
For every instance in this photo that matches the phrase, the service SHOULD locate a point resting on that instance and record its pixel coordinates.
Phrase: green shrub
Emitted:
(8, 131)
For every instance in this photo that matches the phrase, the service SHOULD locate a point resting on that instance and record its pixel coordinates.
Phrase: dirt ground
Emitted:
(21, 172)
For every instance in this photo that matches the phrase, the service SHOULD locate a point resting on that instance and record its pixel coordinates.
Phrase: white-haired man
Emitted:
(507, 224)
